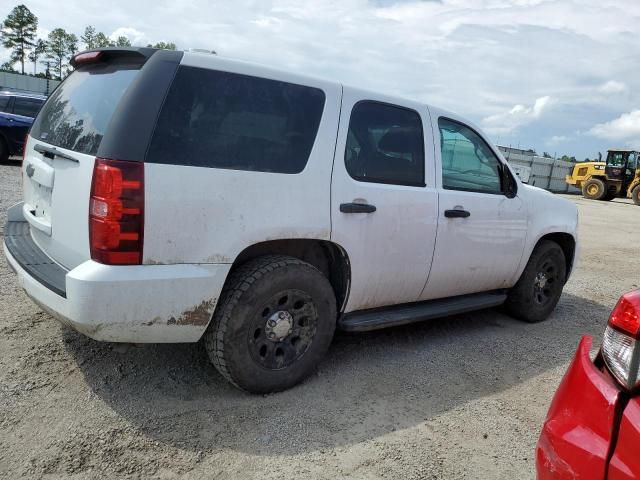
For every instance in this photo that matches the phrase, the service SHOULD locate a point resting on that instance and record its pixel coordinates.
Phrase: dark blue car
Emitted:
(17, 111)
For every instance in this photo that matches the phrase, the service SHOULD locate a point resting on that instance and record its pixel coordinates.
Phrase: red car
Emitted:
(592, 430)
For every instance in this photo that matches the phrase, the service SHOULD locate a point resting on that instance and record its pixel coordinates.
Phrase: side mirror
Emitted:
(509, 184)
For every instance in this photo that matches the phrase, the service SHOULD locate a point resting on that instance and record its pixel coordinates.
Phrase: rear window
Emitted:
(226, 120)
(78, 112)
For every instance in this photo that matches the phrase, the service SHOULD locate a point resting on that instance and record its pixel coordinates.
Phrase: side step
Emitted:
(376, 318)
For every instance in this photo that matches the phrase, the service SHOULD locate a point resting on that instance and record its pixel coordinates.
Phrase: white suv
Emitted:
(174, 196)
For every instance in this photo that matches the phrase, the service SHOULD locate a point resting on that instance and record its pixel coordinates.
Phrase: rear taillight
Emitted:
(116, 212)
(621, 347)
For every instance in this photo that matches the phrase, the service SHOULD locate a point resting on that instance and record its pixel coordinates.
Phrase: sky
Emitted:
(557, 76)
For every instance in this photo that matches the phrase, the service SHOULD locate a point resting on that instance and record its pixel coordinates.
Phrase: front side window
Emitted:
(4, 104)
(385, 144)
(27, 107)
(467, 161)
(226, 120)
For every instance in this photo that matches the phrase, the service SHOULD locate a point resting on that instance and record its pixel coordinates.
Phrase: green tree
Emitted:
(39, 49)
(102, 41)
(546, 155)
(123, 41)
(89, 37)
(19, 33)
(60, 46)
(7, 67)
(164, 45)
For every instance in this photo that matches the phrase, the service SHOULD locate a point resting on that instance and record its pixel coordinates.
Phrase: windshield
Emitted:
(77, 114)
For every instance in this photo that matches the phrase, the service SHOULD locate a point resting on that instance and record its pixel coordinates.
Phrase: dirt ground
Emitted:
(461, 397)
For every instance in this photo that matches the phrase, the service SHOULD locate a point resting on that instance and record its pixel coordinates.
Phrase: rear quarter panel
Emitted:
(625, 463)
(209, 215)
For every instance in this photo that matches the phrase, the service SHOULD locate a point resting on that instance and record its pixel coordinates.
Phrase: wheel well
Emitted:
(568, 245)
(328, 257)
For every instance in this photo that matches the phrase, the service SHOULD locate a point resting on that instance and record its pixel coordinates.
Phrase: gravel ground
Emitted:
(461, 397)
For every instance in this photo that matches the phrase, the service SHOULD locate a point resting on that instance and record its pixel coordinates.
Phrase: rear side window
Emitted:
(78, 112)
(226, 120)
(385, 144)
(27, 107)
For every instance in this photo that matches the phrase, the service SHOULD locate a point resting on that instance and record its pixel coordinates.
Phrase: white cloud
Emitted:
(612, 87)
(556, 139)
(625, 127)
(136, 37)
(516, 117)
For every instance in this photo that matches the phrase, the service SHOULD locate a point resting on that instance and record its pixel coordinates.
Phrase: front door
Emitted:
(384, 204)
(481, 232)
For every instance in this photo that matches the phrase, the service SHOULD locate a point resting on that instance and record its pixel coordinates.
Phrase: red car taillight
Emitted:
(116, 212)
(621, 347)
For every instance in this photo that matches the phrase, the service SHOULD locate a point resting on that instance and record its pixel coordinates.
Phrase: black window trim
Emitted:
(473, 190)
(388, 182)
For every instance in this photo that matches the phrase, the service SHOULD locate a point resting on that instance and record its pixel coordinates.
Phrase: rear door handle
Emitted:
(357, 208)
(456, 213)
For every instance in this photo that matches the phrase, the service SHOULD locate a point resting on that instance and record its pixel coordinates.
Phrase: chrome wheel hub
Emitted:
(279, 325)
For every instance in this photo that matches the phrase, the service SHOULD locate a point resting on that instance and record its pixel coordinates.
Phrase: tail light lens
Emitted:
(621, 347)
(116, 212)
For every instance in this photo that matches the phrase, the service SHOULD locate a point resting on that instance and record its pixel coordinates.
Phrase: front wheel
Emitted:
(538, 290)
(273, 324)
(635, 195)
(594, 189)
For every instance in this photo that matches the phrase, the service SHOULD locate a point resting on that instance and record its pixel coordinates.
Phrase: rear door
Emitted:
(57, 186)
(481, 232)
(383, 199)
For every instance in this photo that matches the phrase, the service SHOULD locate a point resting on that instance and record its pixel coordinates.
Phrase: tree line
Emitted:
(19, 34)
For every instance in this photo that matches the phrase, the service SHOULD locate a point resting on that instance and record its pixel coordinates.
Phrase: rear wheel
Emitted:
(538, 290)
(274, 323)
(635, 195)
(594, 189)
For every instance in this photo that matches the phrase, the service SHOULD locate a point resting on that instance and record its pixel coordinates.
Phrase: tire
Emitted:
(273, 324)
(538, 290)
(635, 195)
(594, 189)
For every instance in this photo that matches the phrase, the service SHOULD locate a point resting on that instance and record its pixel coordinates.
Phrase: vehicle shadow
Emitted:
(370, 384)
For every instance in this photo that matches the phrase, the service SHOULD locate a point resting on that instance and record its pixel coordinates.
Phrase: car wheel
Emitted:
(538, 290)
(274, 322)
(594, 189)
(635, 195)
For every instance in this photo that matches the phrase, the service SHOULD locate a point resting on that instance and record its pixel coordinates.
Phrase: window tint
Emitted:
(4, 103)
(79, 110)
(385, 145)
(616, 159)
(226, 120)
(27, 107)
(467, 161)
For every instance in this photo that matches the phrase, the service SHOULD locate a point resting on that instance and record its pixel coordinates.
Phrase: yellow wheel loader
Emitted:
(619, 176)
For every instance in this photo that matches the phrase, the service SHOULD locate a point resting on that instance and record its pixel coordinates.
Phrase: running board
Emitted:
(376, 318)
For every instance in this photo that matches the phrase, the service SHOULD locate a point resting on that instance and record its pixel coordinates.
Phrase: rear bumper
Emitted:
(576, 435)
(139, 303)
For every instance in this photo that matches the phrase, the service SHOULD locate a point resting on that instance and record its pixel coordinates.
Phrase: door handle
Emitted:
(357, 208)
(456, 213)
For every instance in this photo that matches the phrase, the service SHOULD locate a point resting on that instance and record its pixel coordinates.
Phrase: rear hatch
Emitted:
(66, 138)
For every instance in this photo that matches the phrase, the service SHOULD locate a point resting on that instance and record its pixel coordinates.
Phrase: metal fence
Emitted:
(547, 173)
(26, 83)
